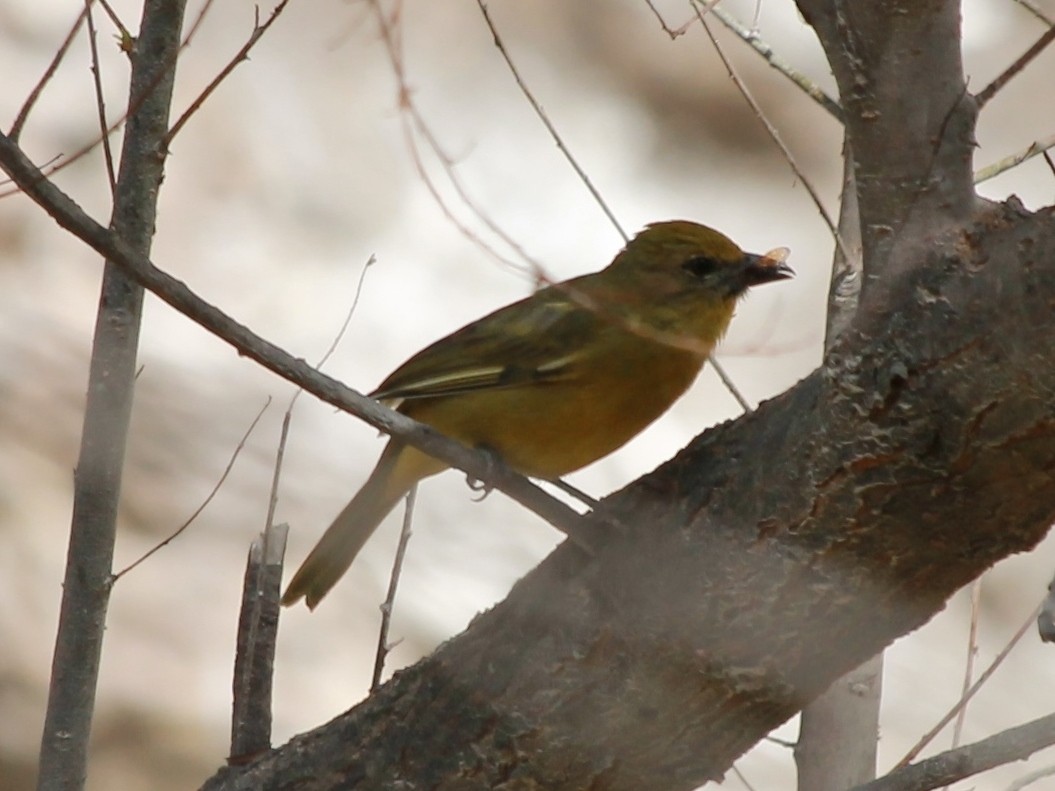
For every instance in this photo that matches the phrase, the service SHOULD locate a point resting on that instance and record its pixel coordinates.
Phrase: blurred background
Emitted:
(303, 165)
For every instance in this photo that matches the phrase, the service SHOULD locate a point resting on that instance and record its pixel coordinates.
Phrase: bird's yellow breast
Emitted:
(549, 429)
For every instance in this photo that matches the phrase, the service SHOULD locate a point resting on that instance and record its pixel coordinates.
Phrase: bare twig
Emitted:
(258, 623)
(801, 81)
(242, 55)
(125, 34)
(729, 384)
(128, 44)
(997, 661)
(972, 653)
(255, 653)
(990, 171)
(383, 646)
(480, 465)
(1032, 7)
(100, 99)
(1014, 744)
(740, 776)
(204, 503)
(674, 32)
(575, 492)
(413, 122)
(548, 124)
(1031, 778)
(775, 135)
(989, 91)
(335, 342)
(49, 72)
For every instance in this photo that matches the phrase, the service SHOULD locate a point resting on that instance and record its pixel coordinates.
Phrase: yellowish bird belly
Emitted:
(549, 429)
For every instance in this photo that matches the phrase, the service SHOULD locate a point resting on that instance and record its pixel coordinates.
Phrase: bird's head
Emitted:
(679, 257)
(678, 282)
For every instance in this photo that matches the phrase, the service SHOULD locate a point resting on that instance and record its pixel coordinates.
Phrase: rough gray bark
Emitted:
(770, 557)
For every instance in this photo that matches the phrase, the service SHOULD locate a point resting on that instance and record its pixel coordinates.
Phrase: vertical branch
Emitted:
(383, 646)
(257, 636)
(97, 480)
(839, 731)
(844, 292)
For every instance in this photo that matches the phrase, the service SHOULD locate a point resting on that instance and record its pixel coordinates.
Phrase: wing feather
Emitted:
(536, 340)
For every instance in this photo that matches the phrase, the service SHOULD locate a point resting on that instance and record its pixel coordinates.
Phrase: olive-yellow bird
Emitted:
(556, 380)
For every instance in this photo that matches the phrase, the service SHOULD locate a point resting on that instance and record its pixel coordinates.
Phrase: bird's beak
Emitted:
(759, 269)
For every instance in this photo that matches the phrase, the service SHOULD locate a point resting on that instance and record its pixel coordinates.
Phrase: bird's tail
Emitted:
(396, 472)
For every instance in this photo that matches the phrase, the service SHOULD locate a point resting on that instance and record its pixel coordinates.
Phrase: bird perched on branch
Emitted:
(559, 379)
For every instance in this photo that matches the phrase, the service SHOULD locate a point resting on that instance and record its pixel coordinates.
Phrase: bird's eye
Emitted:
(700, 265)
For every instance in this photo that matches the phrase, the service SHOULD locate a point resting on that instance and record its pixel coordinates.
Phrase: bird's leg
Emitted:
(494, 464)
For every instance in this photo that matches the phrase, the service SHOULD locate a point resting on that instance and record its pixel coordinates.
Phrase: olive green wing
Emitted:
(535, 340)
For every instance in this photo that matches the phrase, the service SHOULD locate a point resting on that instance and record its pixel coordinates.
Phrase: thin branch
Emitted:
(480, 465)
(729, 384)
(258, 623)
(548, 124)
(204, 503)
(336, 339)
(124, 34)
(239, 57)
(45, 78)
(575, 492)
(997, 661)
(799, 80)
(416, 123)
(982, 98)
(972, 653)
(1014, 744)
(1036, 11)
(100, 99)
(740, 776)
(990, 171)
(199, 21)
(1031, 778)
(751, 37)
(128, 43)
(383, 646)
(775, 135)
(672, 32)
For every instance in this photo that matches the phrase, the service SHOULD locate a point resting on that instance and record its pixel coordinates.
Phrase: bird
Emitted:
(558, 379)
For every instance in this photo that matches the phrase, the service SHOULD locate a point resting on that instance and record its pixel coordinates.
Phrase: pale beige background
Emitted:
(276, 194)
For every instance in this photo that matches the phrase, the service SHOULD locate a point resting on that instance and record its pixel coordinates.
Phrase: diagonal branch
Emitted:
(480, 466)
(1014, 744)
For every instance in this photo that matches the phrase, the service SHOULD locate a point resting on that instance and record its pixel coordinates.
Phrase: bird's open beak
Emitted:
(767, 268)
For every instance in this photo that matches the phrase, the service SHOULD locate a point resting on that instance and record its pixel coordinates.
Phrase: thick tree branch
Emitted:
(908, 115)
(771, 556)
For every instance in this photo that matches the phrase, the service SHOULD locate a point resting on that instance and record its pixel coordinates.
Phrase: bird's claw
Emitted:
(494, 462)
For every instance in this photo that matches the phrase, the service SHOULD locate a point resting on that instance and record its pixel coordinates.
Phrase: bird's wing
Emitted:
(536, 340)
